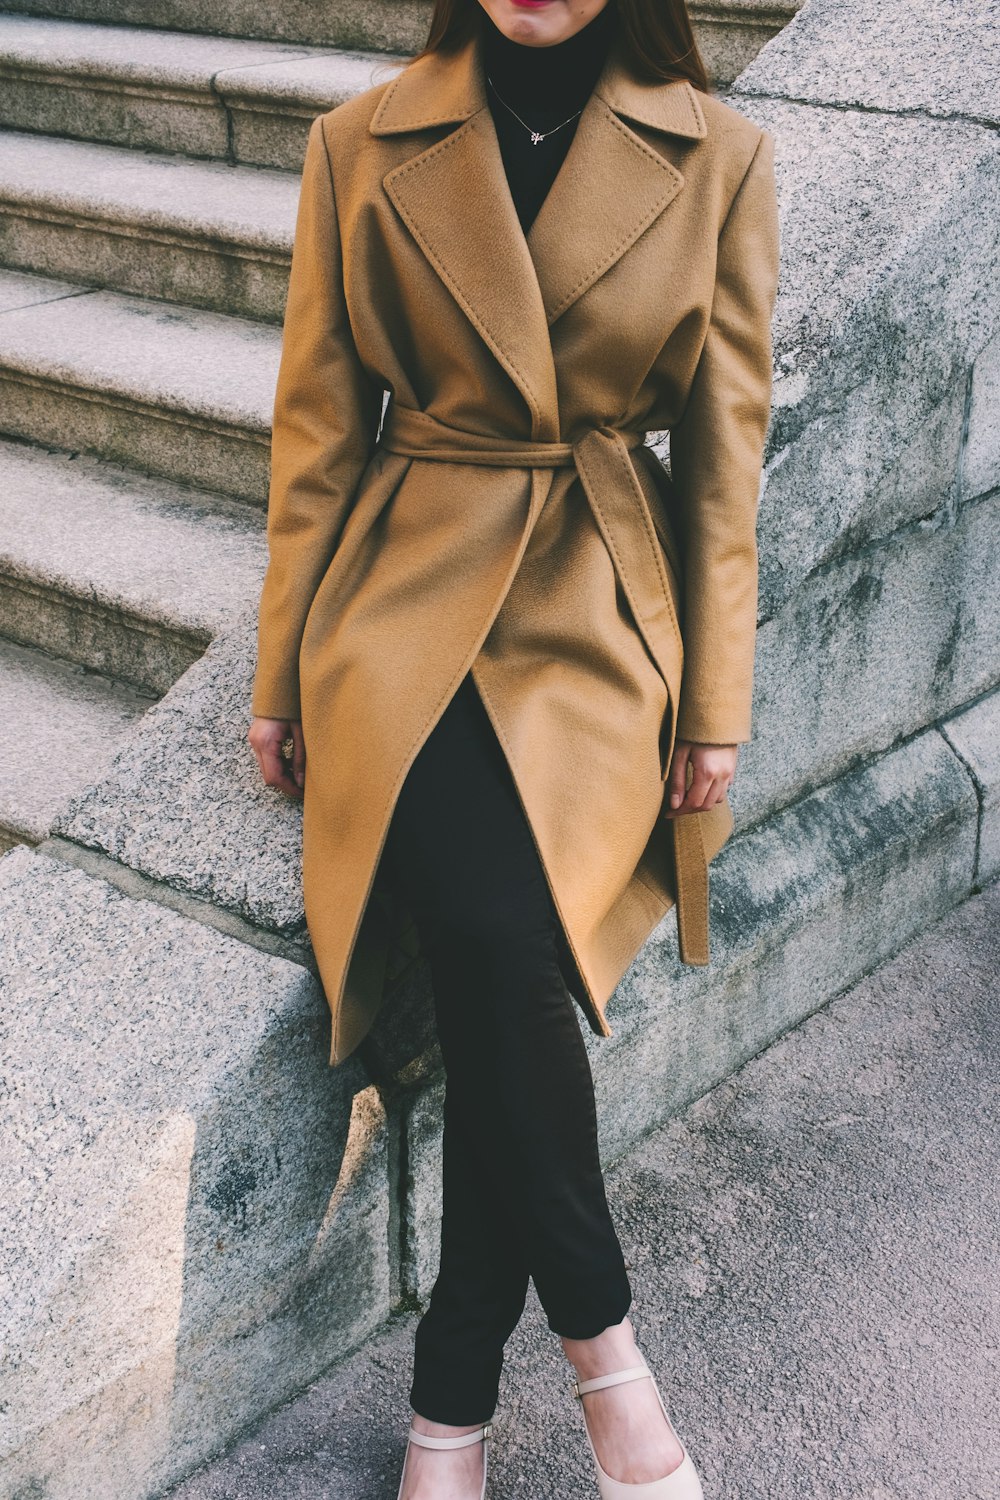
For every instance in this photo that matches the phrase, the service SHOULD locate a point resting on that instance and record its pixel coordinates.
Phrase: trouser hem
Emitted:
(589, 1328)
(452, 1412)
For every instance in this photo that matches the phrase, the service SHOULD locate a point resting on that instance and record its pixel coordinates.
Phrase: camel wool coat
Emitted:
(502, 513)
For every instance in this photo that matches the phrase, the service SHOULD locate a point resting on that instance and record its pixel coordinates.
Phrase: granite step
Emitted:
(730, 33)
(151, 574)
(383, 25)
(205, 96)
(59, 725)
(201, 233)
(182, 392)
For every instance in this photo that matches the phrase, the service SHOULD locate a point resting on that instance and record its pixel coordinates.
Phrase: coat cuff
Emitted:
(275, 702)
(713, 723)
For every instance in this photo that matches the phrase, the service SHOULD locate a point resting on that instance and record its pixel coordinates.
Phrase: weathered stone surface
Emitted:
(189, 391)
(981, 470)
(204, 233)
(204, 96)
(196, 1205)
(18, 290)
(183, 563)
(387, 25)
(880, 312)
(271, 107)
(58, 728)
(975, 737)
(870, 649)
(421, 1191)
(730, 33)
(937, 57)
(183, 801)
(802, 907)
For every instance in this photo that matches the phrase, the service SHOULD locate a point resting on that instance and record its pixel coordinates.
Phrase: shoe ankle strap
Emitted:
(424, 1441)
(634, 1372)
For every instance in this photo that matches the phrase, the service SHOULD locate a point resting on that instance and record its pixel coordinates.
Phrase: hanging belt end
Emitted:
(691, 881)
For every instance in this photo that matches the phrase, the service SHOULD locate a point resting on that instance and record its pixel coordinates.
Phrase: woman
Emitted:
(545, 239)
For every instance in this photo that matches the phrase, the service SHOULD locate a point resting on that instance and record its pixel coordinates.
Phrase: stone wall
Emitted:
(201, 1213)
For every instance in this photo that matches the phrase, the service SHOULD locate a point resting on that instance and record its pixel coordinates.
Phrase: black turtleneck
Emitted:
(544, 85)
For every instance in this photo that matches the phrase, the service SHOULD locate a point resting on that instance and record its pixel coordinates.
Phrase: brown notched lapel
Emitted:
(454, 198)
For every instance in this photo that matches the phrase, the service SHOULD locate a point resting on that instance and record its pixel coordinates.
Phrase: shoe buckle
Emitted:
(487, 1429)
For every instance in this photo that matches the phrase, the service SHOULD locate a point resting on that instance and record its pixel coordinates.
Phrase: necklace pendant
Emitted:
(536, 136)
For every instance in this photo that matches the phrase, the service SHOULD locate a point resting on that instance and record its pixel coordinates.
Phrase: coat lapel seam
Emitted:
(447, 276)
(675, 181)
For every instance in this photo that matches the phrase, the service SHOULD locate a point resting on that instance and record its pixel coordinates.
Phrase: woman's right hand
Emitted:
(266, 736)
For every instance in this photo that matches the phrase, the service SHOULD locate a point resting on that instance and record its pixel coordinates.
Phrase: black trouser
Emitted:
(523, 1192)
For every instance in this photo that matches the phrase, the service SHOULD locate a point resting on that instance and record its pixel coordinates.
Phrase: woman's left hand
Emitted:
(712, 770)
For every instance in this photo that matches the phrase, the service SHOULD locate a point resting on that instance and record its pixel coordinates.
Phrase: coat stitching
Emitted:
(632, 234)
(446, 276)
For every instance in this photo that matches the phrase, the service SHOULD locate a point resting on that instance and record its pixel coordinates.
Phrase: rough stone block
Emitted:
(881, 310)
(386, 25)
(422, 1188)
(183, 801)
(730, 33)
(202, 233)
(182, 565)
(196, 1205)
(803, 905)
(870, 649)
(937, 58)
(272, 106)
(975, 737)
(981, 468)
(70, 718)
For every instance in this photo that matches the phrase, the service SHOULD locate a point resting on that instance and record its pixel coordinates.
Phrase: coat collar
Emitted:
(445, 88)
(454, 197)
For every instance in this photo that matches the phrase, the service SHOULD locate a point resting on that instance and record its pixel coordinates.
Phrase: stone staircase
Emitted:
(148, 187)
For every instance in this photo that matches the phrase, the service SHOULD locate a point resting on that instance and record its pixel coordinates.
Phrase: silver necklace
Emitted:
(537, 136)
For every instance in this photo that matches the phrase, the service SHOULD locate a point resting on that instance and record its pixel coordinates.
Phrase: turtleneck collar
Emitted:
(546, 80)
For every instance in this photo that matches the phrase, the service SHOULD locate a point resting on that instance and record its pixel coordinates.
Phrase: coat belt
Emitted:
(602, 458)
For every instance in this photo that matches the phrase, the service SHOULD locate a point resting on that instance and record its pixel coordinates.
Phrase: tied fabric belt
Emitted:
(602, 457)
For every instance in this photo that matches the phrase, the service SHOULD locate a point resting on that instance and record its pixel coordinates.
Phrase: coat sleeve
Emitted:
(716, 456)
(325, 420)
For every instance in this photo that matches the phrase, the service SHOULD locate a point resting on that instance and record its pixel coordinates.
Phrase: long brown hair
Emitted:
(658, 38)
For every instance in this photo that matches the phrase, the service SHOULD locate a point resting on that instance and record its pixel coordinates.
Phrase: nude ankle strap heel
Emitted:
(423, 1441)
(681, 1483)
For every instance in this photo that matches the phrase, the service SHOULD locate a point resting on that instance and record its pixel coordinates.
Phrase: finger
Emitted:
(699, 796)
(701, 784)
(298, 755)
(678, 775)
(277, 772)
